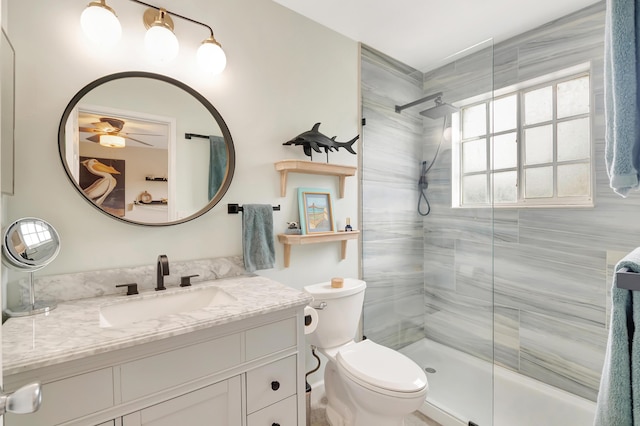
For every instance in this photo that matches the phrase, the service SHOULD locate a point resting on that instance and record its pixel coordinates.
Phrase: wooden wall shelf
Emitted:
(309, 167)
(289, 239)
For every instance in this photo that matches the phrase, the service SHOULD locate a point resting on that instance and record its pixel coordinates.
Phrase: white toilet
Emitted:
(366, 384)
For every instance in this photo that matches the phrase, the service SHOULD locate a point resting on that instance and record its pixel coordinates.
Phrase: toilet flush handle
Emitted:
(319, 306)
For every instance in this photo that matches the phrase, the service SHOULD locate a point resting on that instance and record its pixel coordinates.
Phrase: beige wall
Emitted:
(284, 73)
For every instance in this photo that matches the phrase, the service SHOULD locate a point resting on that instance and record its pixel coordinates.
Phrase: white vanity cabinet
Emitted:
(244, 373)
(214, 405)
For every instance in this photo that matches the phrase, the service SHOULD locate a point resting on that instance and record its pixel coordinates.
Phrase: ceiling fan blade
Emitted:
(138, 140)
(114, 123)
(94, 138)
(90, 129)
(139, 134)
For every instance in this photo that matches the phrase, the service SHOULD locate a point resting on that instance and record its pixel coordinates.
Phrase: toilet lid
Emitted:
(382, 367)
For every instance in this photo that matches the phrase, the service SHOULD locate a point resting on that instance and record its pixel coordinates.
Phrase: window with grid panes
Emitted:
(528, 147)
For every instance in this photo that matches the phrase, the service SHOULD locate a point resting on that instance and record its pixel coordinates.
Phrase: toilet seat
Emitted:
(381, 369)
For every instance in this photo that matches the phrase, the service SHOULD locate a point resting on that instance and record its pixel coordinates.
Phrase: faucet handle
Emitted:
(131, 288)
(186, 280)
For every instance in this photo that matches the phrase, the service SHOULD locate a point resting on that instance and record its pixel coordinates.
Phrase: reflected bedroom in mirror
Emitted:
(161, 157)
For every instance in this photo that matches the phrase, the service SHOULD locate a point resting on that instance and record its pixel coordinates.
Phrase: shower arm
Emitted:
(399, 108)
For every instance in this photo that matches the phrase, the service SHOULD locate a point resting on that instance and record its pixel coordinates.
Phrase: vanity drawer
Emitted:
(69, 399)
(270, 338)
(283, 413)
(165, 370)
(271, 383)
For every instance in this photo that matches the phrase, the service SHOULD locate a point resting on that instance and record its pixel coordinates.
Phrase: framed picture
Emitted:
(316, 211)
(102, 181)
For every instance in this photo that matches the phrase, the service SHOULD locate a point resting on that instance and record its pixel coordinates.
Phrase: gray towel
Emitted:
(619, 395)
(257, 237)
(621, 94)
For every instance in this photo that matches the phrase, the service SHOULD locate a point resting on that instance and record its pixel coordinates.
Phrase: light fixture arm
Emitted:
(175, 14)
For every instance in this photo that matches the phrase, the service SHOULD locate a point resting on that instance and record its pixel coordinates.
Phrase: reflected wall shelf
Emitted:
(309, 167)
(291, 239)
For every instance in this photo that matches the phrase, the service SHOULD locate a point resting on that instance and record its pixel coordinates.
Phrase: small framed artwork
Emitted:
(316, 211)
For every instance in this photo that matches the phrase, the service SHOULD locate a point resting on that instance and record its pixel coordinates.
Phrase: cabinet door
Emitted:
(69, 398)
(283, 413)
(271, 383)
(215, 405)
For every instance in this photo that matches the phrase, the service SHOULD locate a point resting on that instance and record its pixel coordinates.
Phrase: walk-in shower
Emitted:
(504, 307)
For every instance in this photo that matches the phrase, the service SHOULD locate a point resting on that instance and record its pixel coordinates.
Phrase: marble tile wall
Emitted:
(392, 230)
(528, 288)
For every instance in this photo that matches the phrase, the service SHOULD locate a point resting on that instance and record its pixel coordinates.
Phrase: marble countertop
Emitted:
(72, 330)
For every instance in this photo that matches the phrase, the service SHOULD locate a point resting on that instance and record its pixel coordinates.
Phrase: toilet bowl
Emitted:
(367, 384)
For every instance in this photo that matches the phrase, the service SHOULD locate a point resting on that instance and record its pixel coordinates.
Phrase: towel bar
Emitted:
(236, 208)
(627, 279)
(195, 135)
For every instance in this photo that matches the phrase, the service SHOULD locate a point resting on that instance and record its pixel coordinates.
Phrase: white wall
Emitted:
(284, 73)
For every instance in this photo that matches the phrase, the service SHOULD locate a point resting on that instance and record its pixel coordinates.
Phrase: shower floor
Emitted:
(459, 384)
(463, 389)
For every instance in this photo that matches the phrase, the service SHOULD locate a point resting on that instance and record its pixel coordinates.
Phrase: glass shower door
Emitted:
(430, 278)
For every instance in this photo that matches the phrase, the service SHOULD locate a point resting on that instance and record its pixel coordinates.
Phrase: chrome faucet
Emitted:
(163, 269)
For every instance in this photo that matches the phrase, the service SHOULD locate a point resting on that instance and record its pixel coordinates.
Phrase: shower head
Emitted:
(440, 110)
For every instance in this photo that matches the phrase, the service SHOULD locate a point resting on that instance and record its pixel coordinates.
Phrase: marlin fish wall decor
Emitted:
(316, 141)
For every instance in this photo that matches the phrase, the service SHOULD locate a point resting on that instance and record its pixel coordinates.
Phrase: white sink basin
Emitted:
(142, 309)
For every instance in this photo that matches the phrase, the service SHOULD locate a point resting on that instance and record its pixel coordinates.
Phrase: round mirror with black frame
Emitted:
(146, 149)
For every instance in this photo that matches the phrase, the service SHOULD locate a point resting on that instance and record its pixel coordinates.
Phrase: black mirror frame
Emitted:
(214, 112)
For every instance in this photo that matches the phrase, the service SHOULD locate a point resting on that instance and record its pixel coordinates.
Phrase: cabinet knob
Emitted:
(275, 385)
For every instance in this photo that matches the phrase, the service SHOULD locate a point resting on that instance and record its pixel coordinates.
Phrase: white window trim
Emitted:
(519, 88)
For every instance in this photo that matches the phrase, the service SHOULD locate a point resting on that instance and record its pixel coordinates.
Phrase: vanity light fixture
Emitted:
(100, 24)
(210, 56)
(112, 141)
(160, 41)
(99, 20)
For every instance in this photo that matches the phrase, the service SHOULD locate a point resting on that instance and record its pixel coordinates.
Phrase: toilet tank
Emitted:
(338, 321)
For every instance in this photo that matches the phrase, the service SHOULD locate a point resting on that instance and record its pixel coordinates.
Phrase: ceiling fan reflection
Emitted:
(112, 126)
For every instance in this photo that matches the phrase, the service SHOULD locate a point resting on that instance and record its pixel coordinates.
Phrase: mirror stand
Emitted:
(30, 244)
(33, 307)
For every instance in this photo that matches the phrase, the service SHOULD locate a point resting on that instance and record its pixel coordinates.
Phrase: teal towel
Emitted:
(621, 55)
(217, 164)
(619, 395)
(257, 237)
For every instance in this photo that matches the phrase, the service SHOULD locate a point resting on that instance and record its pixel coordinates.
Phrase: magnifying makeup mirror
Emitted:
(30, 244)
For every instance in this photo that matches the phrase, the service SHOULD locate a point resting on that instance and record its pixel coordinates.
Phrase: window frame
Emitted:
(519, 91)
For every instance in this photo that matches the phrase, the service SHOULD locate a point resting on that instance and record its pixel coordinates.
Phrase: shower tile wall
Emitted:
(526, 287)
(392, 231)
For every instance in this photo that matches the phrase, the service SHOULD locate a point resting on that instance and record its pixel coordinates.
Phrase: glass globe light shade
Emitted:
(161, 43)
(112, 141)
(100, 24)
(211, 57)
